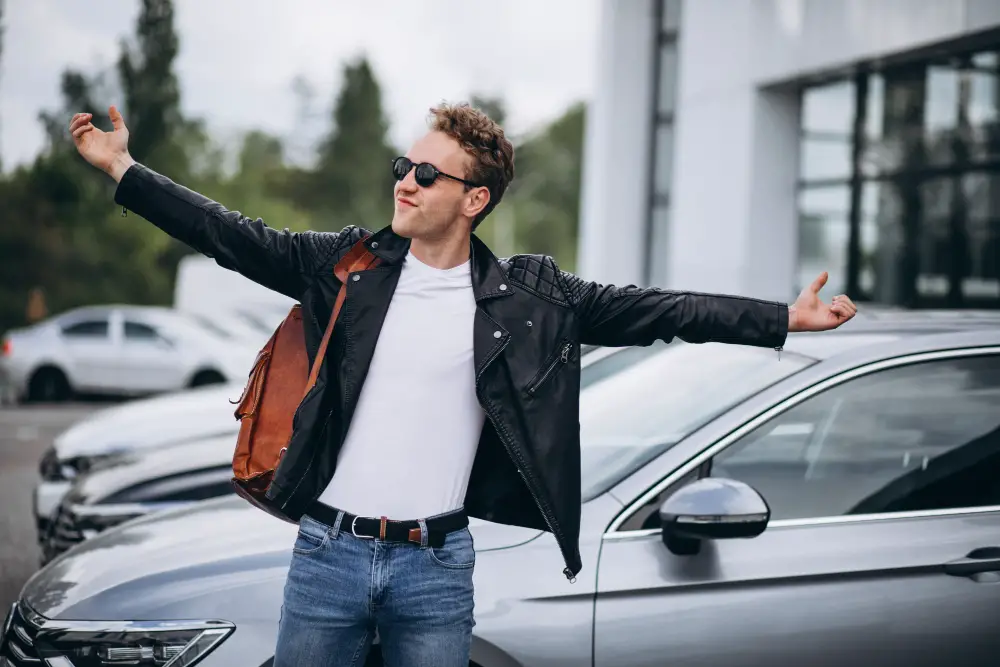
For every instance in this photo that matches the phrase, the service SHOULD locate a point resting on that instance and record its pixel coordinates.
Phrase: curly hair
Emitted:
(483, 139)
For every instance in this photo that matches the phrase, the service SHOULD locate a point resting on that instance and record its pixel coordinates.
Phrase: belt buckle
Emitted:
(354, 530)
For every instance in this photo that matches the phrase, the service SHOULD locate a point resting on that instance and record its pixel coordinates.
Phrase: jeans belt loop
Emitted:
(423, 533)
(335, 531)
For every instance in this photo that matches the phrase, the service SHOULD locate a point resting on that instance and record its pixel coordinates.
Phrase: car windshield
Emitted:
(630, 417)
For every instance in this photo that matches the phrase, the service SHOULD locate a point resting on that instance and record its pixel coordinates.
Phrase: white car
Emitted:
(107, 435)
(120, 350)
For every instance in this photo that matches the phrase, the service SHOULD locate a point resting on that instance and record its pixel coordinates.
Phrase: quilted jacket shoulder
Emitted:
(332, 246)
(541, 275)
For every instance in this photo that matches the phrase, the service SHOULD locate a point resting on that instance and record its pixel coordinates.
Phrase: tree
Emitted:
(152, 93)
(493, 107)
(352, 182)
(544, 198)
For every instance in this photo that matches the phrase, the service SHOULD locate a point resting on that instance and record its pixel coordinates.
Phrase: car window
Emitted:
(925, 436)
(87, 329)
(628, 418)
(140, 332)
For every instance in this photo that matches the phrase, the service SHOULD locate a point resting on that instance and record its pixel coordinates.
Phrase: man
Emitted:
(450, 388)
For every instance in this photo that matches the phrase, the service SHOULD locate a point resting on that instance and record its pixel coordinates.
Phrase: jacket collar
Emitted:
(488, 278)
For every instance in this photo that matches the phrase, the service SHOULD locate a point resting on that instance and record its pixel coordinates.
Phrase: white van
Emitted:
(240, 306)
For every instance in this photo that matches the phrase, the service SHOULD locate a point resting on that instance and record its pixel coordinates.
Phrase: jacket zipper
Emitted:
(520, 463)
(561, 359)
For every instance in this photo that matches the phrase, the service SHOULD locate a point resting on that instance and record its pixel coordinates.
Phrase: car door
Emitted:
(884, 540)
(92, 351)
(150, 361)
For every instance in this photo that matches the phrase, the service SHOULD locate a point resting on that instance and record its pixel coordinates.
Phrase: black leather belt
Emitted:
(387, 530)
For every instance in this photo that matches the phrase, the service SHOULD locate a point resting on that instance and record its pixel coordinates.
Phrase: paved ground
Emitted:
(25, 433)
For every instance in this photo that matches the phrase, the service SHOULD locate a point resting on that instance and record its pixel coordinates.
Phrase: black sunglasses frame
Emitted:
(424, 180)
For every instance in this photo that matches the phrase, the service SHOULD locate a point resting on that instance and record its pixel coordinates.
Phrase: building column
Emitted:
(615, 192)
(733, 228)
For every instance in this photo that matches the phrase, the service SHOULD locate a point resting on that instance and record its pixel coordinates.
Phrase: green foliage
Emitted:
(352, 181)
(543, 200)
(152, 94)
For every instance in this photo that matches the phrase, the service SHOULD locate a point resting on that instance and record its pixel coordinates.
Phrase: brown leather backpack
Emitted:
(279, 379)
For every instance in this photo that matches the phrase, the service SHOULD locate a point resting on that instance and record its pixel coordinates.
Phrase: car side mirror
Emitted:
(712, 508)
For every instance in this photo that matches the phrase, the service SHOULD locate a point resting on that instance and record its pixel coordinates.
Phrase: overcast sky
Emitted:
(238, 58)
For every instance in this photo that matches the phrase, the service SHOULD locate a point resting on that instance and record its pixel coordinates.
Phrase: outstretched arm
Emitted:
(618, 316)
(280, 260)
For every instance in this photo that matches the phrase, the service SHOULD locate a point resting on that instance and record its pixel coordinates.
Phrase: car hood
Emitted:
(144, 465)
(139, 569)
(152, 422)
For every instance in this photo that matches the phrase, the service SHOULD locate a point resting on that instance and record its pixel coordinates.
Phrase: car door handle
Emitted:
(984, 559)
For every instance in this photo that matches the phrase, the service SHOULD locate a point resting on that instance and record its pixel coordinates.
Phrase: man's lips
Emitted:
(403, 201)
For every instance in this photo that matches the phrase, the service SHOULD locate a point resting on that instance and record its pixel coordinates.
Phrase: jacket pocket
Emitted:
(551, 367)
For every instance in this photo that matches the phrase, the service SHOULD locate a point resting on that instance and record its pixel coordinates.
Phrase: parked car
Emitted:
(118, 435)
(120, 351)
(109, 435)
(145, 481)
(840, 505)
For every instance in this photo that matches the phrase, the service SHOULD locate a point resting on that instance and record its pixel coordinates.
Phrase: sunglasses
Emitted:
(425, 174)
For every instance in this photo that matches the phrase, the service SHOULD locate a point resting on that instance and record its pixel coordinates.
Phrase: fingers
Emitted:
(79, 120)
(80, 131)
(820, 281)
(116, 118)
(843, 307)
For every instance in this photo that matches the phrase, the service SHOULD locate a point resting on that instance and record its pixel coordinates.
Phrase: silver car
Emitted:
(119, 350)
(839, 505)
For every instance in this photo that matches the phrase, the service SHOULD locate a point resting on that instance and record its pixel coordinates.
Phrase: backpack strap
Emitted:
(358, 258)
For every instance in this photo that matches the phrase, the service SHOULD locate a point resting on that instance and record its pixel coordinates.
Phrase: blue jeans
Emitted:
(341, 589)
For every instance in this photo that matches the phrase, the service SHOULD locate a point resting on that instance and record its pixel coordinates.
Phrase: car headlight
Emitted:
(52, 469)
(32, 639)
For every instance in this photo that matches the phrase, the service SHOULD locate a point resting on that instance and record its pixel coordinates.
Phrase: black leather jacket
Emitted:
(530, 321)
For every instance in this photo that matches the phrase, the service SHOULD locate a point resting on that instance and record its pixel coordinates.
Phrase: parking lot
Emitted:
(25, 432)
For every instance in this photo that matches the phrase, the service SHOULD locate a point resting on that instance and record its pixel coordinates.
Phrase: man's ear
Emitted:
(478, 199)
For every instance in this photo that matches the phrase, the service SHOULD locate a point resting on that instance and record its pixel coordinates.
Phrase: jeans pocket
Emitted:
(312, 536)
(458, 552)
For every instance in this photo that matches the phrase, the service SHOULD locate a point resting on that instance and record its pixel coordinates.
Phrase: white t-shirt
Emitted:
(412, 440)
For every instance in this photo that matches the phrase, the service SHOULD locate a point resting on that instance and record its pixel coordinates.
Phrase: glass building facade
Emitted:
(899, 188)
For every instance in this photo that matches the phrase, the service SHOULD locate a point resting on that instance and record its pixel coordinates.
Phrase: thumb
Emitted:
(820, 281)
(116, 118)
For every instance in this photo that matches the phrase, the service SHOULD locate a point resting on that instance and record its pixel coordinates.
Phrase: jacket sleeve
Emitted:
(283, 261)
(620, 316)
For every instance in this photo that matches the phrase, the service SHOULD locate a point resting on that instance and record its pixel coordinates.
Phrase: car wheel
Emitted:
(206, 377)
(48, 385)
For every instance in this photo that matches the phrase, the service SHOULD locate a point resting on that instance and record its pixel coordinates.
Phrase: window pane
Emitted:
(671, 15)
(663, 160)
(667, 86)
(824, 230)
(93, 328)
(829, 109)
(897, 113)
(137, 331)
(921, 437)
(823, 158)
(981, 240)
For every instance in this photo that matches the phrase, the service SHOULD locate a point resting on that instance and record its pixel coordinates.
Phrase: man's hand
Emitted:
(808, 313)
(108, 151)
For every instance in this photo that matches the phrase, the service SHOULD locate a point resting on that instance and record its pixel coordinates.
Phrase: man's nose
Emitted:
(408, 184)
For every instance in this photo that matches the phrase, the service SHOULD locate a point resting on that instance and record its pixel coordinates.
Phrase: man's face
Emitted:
(432, 212)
